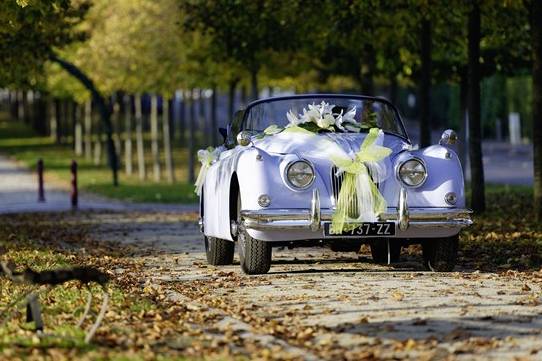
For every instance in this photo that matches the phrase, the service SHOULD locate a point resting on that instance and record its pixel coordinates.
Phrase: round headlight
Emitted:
(300, 174)
(412, 173)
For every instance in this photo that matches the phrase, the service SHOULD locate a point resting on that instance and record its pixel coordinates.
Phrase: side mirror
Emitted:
(244, 138)
(448, 137)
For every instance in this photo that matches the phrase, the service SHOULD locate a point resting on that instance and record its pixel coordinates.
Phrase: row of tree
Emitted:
(161, 46)
(140, 123)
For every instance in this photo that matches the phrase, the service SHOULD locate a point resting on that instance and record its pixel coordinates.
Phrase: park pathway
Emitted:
(19, 194)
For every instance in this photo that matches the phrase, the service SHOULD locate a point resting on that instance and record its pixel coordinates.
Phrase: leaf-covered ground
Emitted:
(137, 325)
(314, 304)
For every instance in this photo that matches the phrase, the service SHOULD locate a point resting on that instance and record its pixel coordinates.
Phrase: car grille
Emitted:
(336, 184)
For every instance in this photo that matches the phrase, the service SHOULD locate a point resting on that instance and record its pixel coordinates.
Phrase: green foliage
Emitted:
(135, 46)
(29, 31)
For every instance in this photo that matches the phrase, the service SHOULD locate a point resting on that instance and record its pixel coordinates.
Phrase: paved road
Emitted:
(19, 193)
(316, 304)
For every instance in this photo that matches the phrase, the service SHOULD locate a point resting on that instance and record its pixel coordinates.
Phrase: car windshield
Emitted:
(369, 112)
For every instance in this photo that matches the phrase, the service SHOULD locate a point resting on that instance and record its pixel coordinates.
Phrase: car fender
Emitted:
(444, 175)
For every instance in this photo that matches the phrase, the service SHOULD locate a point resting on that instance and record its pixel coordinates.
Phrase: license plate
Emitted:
(367, 229)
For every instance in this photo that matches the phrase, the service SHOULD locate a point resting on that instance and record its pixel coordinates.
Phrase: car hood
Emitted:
(304, 147)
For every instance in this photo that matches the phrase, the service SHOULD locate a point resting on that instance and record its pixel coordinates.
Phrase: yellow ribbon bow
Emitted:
(359, 199)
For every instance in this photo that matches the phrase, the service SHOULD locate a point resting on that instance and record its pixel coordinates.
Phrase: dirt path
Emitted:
(316, 304)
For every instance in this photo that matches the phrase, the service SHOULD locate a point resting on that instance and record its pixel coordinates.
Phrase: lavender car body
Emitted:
(248, 199)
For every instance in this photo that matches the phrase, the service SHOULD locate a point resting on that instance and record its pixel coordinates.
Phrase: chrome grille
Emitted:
(336, 184)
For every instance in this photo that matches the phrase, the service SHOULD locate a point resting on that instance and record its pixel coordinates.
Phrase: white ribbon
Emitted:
(207, 157)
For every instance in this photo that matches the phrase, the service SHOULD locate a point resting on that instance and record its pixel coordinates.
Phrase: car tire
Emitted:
(254, 255)
(440, 255)
(379, 251)
(219, 251)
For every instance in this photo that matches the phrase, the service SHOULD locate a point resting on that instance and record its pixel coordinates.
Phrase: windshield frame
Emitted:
(339, 96)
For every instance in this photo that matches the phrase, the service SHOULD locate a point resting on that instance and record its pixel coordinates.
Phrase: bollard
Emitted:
(41, 192)
(74, 193)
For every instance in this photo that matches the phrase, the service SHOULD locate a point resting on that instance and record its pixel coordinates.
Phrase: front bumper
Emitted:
(314, 218)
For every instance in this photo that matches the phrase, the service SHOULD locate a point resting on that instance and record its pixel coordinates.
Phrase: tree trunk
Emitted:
(425, 83)
(243, 95)
(20, 105)
(394, 89)
(128, 164)
(139, 138)
(167, 141)
(53, 120)
(231, 98)
(536, 34)
(214, 123)
(88, 129)
(72, 118)
(64, 120)
(154, 138)
(254, 84)
(116, 105)
(182, 119)
(191, 138)
(105, 113)
(463, 122)
(12, 99)
(475, 129)
(38, 114)
(202, 120)
(97, 142)
(26, 111)
(78, 130)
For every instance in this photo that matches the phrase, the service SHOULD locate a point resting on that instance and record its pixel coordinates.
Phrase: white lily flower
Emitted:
(322, 115)
(326, 108)
(349, 116)
(326, 121)
(292, 118)
(312, 115)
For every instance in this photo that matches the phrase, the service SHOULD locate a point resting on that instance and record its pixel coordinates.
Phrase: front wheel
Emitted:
(440, 255)
(219, 251)
(254, 255)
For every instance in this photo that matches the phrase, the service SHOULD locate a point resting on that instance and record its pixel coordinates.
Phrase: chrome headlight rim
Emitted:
(289, 182)
(398, 175)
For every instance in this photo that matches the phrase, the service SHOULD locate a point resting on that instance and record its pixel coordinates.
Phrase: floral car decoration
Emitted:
(266, 190)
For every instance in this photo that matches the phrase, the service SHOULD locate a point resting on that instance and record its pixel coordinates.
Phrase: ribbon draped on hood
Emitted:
(359, 199)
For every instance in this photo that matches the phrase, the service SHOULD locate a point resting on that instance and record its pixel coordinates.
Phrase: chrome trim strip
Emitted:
(285, 219)
(403, 210)
(315, 210)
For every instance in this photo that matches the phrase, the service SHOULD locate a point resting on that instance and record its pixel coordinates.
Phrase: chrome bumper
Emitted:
(314, 218)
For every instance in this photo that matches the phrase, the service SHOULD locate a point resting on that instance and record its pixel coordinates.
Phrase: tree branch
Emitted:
(103, 108)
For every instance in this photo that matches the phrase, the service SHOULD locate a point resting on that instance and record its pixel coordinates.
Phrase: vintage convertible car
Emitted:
(336, 170)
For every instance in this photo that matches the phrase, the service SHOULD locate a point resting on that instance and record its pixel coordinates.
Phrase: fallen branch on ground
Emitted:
(84, 275)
